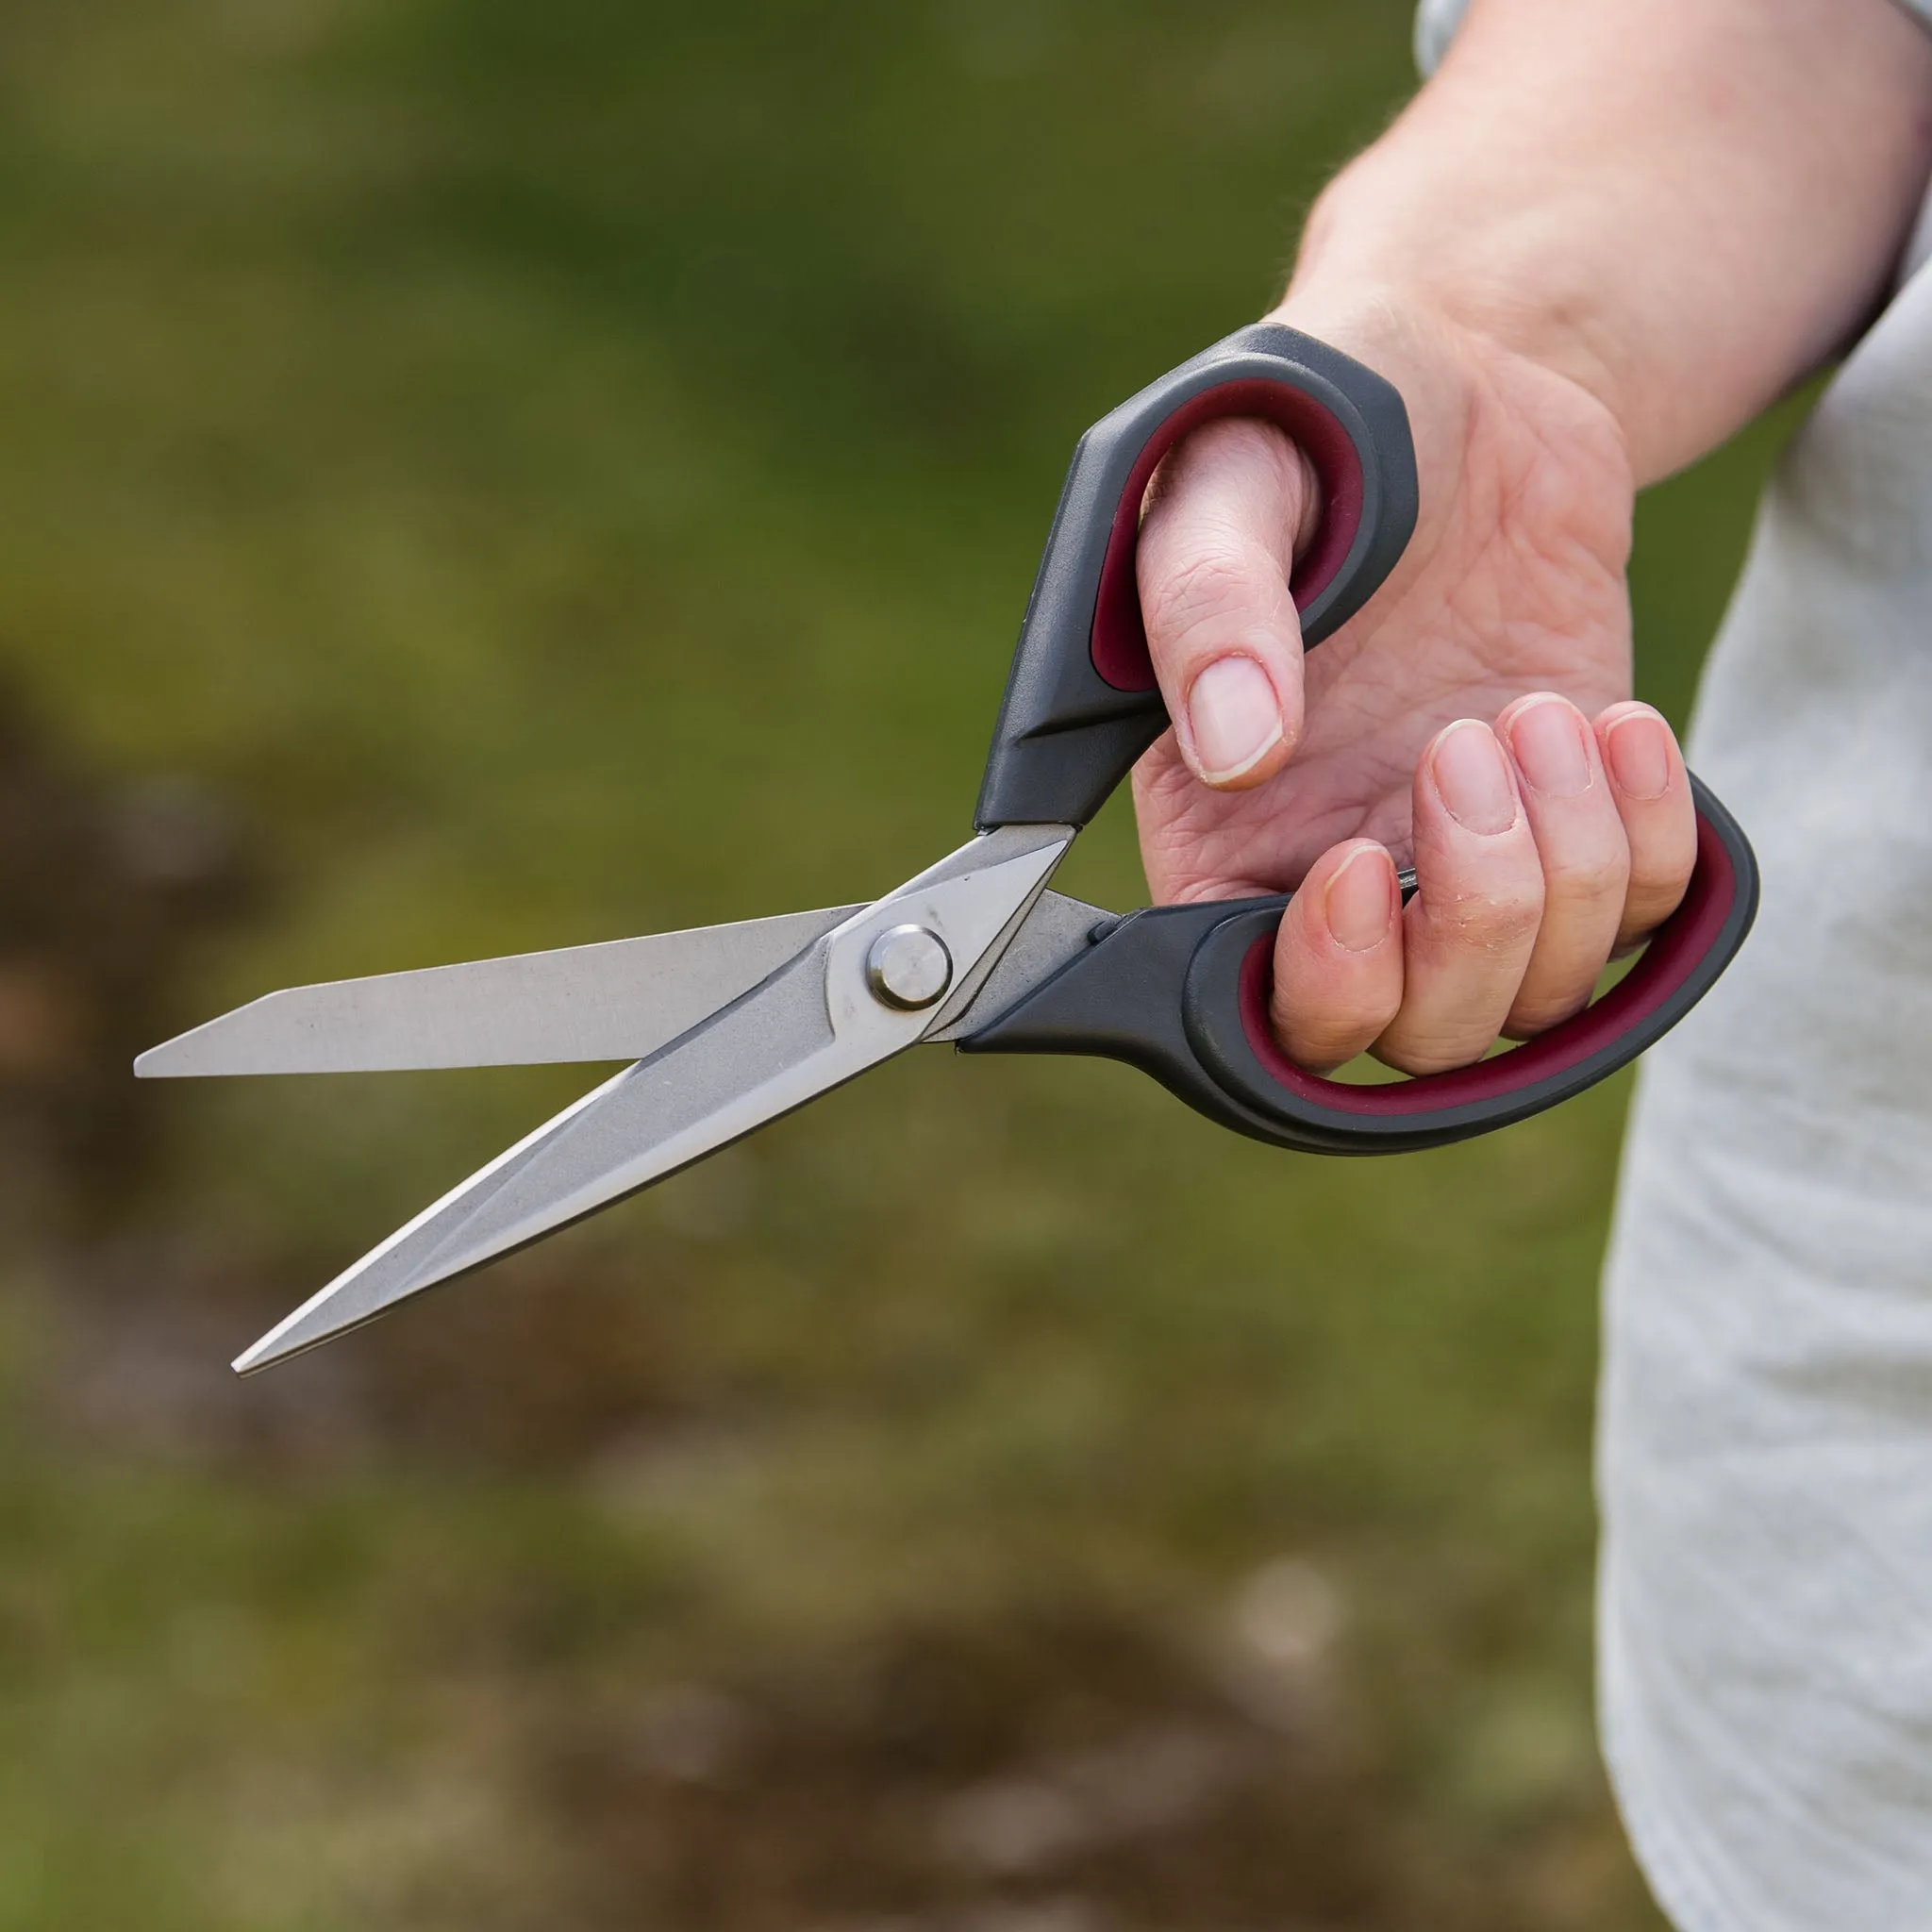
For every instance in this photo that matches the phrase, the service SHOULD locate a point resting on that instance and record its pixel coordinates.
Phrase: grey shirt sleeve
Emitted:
(1436, 21)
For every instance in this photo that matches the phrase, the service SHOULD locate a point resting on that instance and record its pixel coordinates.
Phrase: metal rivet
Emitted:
(909, 967)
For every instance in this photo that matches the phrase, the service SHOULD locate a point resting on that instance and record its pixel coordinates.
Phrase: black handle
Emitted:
(1081, 703)
(1182, 992)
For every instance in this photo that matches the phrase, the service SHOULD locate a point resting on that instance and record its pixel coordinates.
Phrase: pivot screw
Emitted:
(909, 967)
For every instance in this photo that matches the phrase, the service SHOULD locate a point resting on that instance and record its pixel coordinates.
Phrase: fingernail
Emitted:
(1638, 744)
(1472, 778)
(1547, 739)
(1235, 718)
(1360, 900)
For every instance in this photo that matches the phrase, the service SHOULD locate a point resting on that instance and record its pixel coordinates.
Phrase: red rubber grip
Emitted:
(1674, 953)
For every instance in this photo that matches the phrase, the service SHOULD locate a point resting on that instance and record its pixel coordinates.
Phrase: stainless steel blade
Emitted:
(617, 1001)
(808, 1027)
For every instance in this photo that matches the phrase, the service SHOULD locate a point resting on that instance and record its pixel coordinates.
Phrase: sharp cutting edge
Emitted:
(617, 1001)
(808, 1027)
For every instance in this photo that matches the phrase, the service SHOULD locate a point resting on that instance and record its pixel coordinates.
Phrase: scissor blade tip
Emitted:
(284, 1339)
(198, 1051)
(310, 1325)
(281, 1343)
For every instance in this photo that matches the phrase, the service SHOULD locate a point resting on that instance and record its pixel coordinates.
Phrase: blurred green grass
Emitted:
(562, 471)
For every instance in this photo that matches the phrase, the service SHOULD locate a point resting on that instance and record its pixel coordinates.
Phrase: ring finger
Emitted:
(1585, 858)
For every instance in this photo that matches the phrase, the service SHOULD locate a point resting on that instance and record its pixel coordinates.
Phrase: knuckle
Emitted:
(1644, 912)
(1323, 1025)
(1431, 1052)
(1538, 1013)
(1333, 1044)
(1321, 1018)
(1195, 590)
(1657, 893)
(1319, 1049)
(1349, 1024)
(1500, 921)
(1590, 877)
(1662, 874)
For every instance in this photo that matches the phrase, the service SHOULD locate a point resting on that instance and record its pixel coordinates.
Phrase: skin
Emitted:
(1596, 244)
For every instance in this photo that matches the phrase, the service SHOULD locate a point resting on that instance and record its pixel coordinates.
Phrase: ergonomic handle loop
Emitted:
(1081, 703)
(1182, 992)
(1226, 1004)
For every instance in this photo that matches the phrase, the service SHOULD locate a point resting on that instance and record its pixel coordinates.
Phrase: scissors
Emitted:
(730, 1027)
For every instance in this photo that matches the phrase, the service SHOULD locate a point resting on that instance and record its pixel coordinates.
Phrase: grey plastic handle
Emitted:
(1081, 703)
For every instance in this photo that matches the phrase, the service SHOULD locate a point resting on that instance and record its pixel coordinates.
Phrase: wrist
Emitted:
(1484, 302)
(1489, 415)
(1676, 209)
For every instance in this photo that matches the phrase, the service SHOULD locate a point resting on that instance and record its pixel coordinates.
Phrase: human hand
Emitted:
(1475, 717)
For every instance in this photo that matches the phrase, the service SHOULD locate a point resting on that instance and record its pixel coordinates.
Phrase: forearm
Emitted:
(1684, 206)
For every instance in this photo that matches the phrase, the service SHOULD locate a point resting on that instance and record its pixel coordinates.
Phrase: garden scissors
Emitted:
(730, 1027)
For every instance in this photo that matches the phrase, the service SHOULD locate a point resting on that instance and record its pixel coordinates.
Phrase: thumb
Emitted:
(1217, 543)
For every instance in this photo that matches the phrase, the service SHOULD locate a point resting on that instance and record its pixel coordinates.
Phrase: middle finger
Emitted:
(1469, 929)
